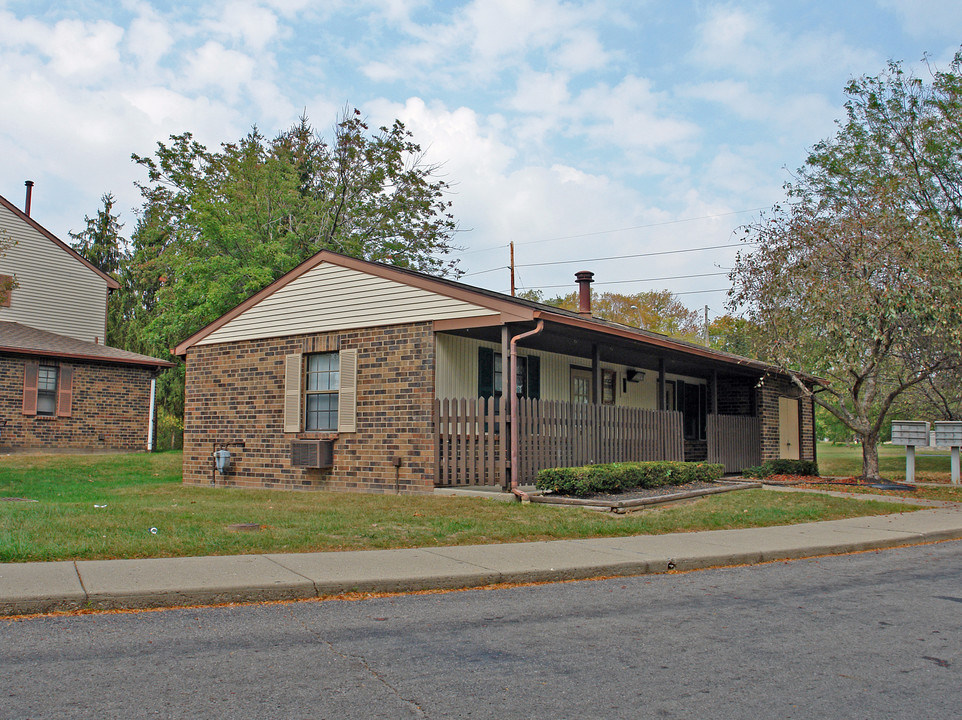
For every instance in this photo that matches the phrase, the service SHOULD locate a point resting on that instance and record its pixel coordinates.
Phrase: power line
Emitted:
(482, 272)
(614, 257)
(624, 229)
(642, 227)
(638, 255)
(622, 282)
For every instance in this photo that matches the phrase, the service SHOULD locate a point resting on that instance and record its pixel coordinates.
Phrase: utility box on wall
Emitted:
(913, 433)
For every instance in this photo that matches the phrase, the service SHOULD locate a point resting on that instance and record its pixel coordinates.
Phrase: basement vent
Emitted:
(312, 453)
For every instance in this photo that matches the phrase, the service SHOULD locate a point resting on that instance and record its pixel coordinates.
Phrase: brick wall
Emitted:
(109, 409)
(736, 395)
(774, 387)
(235, 391)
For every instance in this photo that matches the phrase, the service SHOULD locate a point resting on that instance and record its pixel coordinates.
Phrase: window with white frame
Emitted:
(47, 390)
(321, 392)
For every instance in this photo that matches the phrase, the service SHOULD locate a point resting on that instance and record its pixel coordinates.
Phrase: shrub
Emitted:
(616, 477)
(782, 467)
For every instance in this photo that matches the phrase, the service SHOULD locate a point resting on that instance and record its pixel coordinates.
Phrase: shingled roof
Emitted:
(25, 340)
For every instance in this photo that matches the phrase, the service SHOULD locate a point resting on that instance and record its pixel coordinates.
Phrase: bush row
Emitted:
(616, 477)
(782, 467)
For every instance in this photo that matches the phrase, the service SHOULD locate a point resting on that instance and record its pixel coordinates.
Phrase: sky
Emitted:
(598, 135)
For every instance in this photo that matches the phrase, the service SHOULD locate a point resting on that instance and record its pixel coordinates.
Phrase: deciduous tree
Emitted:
(857, 275)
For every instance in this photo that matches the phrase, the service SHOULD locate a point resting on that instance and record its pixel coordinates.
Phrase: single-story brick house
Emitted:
(61, 388)
(353, 375)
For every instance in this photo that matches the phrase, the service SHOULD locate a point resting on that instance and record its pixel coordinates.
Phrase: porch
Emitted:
(472, 438)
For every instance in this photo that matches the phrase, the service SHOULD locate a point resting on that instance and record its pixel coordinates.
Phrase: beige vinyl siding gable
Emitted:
(329, 297)
(56, 292)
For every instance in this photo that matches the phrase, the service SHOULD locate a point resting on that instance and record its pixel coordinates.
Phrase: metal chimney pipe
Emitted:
(584, 278)
(26, 204)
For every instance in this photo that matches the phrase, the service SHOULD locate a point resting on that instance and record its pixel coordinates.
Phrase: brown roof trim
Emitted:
(657, 340)
(111, 283)
(149, 362)
(513, 311)
(466, 323)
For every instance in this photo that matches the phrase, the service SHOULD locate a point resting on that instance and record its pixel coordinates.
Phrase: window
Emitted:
(323, 383)
(320, 391)
(491, 374)
(47, 390)
(608, 387)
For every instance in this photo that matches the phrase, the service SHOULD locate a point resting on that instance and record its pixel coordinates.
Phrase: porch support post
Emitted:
(508, 448)
(661, 383)
(595, 374)
(505, 358)
(714, 392)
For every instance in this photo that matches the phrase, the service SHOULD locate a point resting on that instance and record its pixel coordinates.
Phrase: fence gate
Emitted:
(735, 441)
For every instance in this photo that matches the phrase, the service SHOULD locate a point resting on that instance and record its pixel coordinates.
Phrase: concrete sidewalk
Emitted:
(111, 584)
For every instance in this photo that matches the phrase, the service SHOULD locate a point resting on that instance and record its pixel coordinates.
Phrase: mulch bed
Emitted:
(639, 493)
(820, 483)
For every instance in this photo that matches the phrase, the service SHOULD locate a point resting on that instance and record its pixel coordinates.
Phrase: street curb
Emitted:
(177, 582)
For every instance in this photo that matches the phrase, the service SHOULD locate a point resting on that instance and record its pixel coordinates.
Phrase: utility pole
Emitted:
(706, 325)
(512, 268)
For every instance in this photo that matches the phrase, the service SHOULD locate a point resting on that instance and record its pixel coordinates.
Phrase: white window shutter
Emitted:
(347, 393)
(292, 393)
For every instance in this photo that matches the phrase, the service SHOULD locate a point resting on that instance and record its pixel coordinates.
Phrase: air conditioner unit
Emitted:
(312, 453)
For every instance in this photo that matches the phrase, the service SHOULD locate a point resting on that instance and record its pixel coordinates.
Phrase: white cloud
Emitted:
(633, 115)
(748, 43)
(246, 22)
(486, 37)
(933, 17)
(214, 66)
(148, 38)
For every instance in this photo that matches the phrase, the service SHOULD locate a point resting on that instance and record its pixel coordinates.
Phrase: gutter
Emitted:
(513, 378)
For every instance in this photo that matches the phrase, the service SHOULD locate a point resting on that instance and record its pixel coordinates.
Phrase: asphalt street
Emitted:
(867, 635)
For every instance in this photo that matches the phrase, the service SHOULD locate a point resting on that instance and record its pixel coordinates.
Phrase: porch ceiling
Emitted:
(567, 340)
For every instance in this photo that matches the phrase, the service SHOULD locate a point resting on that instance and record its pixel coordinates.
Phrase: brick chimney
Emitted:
(584, 278)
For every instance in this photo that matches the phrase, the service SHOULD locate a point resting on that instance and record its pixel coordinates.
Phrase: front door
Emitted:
(580, 385)
(788, 434)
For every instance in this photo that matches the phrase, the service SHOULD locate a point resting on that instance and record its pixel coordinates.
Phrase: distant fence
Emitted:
(734, 441)
(472, 438)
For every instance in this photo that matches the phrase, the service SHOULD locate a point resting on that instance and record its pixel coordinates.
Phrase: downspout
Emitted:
(513, 378)
(150, 416)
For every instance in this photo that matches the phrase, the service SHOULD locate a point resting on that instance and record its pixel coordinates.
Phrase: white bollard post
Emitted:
(955, 465)
(910, 463)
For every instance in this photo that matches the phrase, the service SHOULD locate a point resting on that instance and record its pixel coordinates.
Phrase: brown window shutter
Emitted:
(31, 371)
(6, 289)
(292, 393)
(65, 391)
(347, 392)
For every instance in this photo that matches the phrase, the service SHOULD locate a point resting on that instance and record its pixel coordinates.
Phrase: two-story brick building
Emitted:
(60, 386)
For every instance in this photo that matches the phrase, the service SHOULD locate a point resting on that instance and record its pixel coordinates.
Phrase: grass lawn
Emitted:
(846, 461)
(138, 493)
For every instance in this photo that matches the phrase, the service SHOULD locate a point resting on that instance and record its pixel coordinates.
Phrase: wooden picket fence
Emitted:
(473, 438)
(734, 441)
